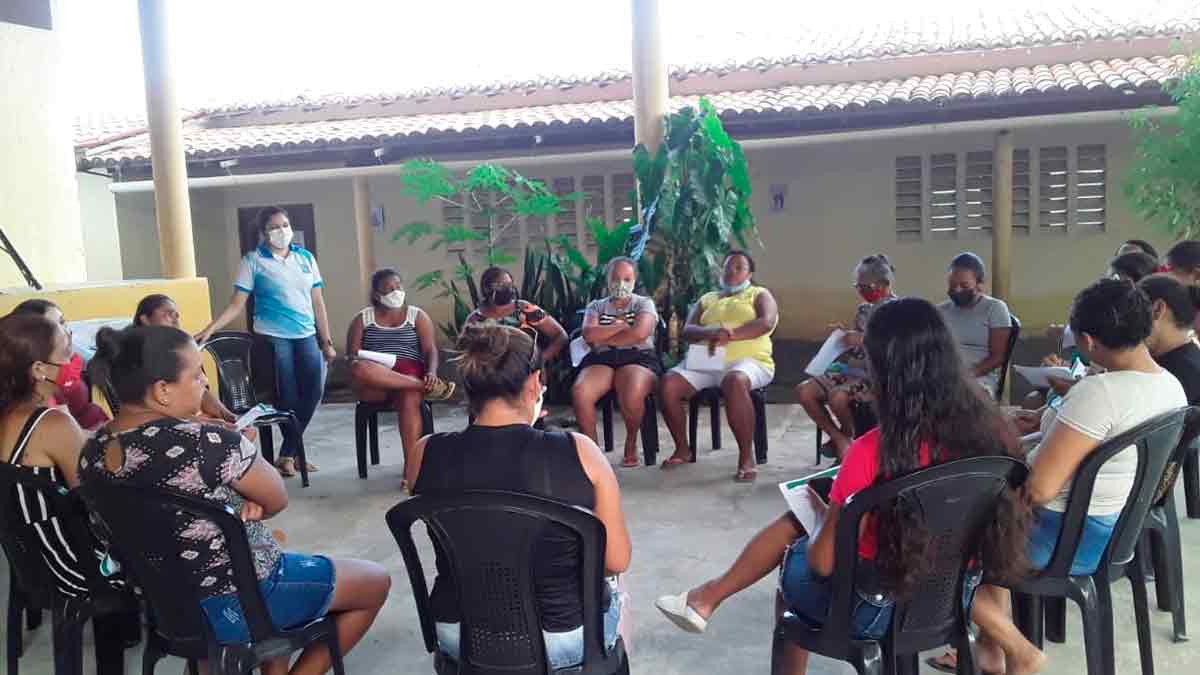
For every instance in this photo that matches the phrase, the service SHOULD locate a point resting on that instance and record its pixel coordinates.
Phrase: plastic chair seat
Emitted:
(649, 430)
(366, 429)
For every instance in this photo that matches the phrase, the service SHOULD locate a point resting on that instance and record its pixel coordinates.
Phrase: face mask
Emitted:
(734, 290)
(619, 290)
(503, 295)
(281, 238)
(962, 298)
(393, 300)
(537, 407)
(873, 295)
(69, 373)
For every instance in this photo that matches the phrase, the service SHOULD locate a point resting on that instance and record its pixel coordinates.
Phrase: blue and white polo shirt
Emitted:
(282, 290)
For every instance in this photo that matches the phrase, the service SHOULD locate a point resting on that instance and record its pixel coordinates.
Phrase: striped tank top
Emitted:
(402, 340)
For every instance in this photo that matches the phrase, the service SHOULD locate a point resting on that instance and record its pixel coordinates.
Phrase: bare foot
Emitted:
(1028, 661)
(990, 656)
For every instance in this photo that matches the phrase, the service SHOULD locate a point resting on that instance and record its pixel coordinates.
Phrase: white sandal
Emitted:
(675, 608)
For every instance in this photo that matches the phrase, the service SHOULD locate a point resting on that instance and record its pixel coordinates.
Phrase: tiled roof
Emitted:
(1116, 75)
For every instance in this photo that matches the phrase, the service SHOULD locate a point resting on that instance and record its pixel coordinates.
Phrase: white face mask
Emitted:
(393, 300)
(280, 238)
(619, 290)
(734, 290)
(537, 407)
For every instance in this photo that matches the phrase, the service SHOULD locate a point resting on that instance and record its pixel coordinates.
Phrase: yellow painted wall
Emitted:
(118, 299)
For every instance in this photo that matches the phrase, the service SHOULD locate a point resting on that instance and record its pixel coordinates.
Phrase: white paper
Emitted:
(1037, 375)
(1068, 338)
(252, 414)
(579, 349)
(1028, 441)
(698, 358)
(804, 503)
(386, 360)
(834, 347)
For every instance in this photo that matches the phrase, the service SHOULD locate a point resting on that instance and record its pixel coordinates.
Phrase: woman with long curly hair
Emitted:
(930, 412)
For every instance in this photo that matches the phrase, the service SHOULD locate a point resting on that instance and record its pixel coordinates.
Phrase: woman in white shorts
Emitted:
(740, 317)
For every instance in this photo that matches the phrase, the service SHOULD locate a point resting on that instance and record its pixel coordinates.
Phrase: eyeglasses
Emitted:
(865, 287)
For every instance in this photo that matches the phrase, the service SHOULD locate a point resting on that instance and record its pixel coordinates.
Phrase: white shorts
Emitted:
(704, 379)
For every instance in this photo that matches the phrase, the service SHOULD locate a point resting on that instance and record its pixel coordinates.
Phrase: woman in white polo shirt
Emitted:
(289, 311)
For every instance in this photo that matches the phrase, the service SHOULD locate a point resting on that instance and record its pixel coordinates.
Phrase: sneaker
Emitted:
(440, 391)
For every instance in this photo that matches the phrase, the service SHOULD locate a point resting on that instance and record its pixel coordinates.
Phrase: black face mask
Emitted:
(962, 298)
(503, 295)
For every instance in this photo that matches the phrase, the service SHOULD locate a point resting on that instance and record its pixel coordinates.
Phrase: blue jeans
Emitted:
(1097, 530)
(300, 590)
(563, 650)
(299, 382)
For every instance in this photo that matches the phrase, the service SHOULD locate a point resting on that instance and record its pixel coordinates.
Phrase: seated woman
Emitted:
(838, 389)
(157, 374)
(44, 441)
(620, 331)
(73, 391)
(929, 412)
(396, 328)
(1133, 266)
(1173, 307)
(981, 324)
(160, 310)
(1183, 264)
(740, 317)
(1112, 320)
(502, 374)
(499, 302)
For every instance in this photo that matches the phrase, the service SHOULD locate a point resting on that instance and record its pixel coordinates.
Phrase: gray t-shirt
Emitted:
(972, 327)
(608, 312)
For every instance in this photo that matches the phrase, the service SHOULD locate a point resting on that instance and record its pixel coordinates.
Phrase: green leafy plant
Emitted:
(1163, 185)
(696, 192)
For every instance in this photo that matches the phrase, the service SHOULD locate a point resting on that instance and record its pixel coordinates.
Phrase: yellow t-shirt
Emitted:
(733, 311)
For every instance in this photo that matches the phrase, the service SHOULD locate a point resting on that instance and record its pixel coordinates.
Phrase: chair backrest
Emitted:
(232, 351)
(1156, 441)
(1008, 356)
(488, 539)
(139, 523)
(957, 500)
(1187, 443)
(21, 542)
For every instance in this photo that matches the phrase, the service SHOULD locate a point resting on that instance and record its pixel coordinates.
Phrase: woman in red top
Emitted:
(930, 411)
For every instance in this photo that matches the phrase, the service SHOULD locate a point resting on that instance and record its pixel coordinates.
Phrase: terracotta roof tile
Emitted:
(202, 141)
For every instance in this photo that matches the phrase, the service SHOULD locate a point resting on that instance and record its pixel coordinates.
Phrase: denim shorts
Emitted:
(1097, 530)
(808, 595)
(300, 590)
(563, 650)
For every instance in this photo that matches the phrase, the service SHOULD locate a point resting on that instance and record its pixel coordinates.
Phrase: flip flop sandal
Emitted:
(630, 463)
(938, 664)
(286, 467)
(672, 463)
(745, 476)
(676, 609)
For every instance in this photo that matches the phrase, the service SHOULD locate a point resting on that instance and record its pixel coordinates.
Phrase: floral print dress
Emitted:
(850, 375)
(197, 459)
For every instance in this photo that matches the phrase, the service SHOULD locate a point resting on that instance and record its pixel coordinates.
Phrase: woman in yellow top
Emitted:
(740, 317)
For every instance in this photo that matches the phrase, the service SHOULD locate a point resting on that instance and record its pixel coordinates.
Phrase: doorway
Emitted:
(304, 230)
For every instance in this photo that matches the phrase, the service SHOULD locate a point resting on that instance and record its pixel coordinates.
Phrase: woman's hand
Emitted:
(1054, 361)
(250, 433)
(329, 352)
(853, 338)
(202, 336)
(1027, 421)
(430, 380)
(1060, 385)
(252, 511)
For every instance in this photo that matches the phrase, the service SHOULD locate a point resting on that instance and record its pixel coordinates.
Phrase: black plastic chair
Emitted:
(232, 351)
(33, 588)
(1008, 356)
(1157, 442)
(1191, 483)
(138, 522)
(608, 402)
(712, 398)
(487, 538)
(959, 500)
(366, 430)
(864, 421)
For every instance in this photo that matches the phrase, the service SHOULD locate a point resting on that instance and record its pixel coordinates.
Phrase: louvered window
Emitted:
(979, 186)
(1054, 189)
(507, 232)
(593, 206)
(535, 226)
(943, 194)
(624, 196)
(452, 214)
(1091, 180)
(908, 198)
(1021, 192)
(566, 223)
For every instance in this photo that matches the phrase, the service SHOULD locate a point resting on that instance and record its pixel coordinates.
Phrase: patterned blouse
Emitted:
(197, 459)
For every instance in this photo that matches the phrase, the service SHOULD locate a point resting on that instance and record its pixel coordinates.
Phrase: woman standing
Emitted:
(620, 331)
(393, 326)
(500, 303)
(289, 311)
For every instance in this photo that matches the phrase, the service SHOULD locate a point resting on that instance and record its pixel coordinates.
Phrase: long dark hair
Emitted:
(134, 358)
(925, 397)
(494, 361)
(25, 338)
(148, 306)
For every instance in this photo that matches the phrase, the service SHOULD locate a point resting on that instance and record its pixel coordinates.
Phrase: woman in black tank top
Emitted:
(502, 375)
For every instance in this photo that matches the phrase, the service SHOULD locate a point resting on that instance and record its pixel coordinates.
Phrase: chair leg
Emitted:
(606, 415)
(373, 437)
(693, 424)
(268, 444)
(426, 418)
(714, 422)
(1171, 576)
(650, 432)
(1055, 610)
(817, 457)
(760, 429)
(1029, 616)
(335, 652)
(301, 458)
(968, 654)
(14, 638)
(1095, 608)
(109, 644)
(1141, 613)
(360, 440)
(67, 641)
(1191, 482)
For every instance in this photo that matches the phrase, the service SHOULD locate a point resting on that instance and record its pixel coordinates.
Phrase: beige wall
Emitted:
(101, 237)
(839, 208)
(39, 205)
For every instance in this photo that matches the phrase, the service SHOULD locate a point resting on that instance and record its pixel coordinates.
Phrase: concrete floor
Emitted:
(687, 525)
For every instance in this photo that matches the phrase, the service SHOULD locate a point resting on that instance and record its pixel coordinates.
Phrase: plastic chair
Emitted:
(1008, 356)
(487, 538)
(366, 429)
(232, 351)
(1157, 442)
(139, 522)
(1191, 483)
(33, 589)
(959, 500)
(712, 398)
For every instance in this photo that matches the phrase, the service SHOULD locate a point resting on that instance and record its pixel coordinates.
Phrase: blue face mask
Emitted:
(733, 290)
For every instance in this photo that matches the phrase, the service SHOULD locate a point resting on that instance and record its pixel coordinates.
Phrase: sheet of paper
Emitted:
(252, 414)
(386, 360)
(1028, 441)
(698, 358)
(835, 345)
(579, 349)
(807, 506)
(1037, 375)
